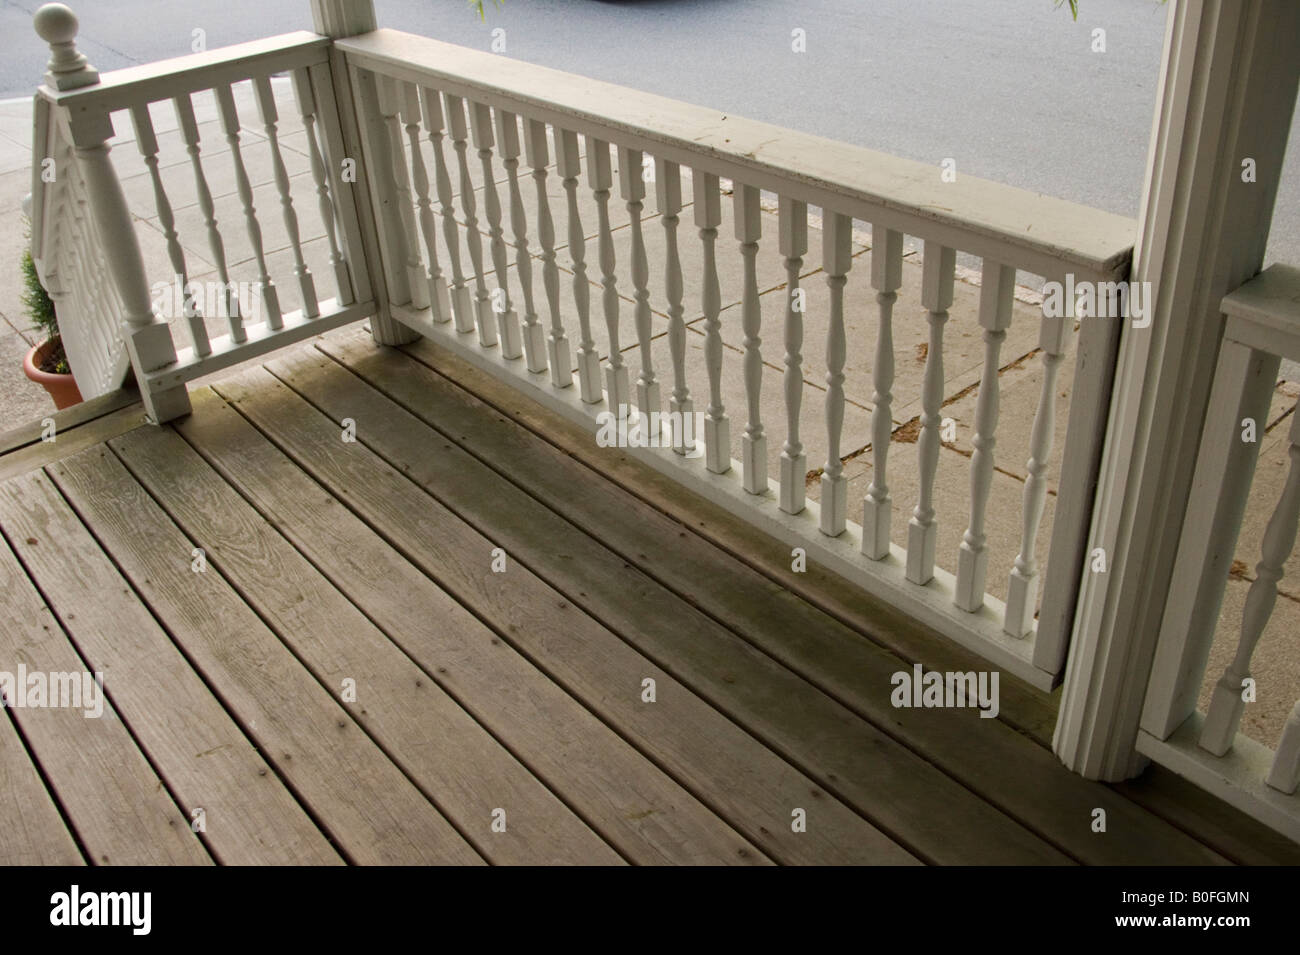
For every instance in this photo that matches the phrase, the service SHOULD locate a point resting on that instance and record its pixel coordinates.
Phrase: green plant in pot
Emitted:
(46, 364)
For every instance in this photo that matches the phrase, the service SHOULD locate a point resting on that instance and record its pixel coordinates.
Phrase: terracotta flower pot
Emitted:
(62, 388)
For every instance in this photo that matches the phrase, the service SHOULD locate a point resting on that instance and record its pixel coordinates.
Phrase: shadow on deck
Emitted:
(314, 652)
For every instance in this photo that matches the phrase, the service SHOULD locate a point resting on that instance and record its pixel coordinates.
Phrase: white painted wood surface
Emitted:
(534, 336)
(568, 166)
(632, 188)
(399, 188)
(557, 340)
(1227, 89)
(837, 259)
(1262, 327)
(708, 216)
(147, 143)
(793, 241)
(668, 192)
(600, 178)
(99, 346)
(937, 272)
(1022, 584)
(454, 111)
(886, 278)
(459, 294)
(216, 244)
(507, 319)
(747, 215)
(438, 297)
(230, 123)
(1036, 232)
(996, 290)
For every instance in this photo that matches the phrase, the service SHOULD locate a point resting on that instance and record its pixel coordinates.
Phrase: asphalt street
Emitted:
(1012, 90)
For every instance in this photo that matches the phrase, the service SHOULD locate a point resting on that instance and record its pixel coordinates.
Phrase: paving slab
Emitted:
(21, 400)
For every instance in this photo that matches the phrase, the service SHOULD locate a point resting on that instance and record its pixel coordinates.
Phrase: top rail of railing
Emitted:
(151, 82)
(1037, 233)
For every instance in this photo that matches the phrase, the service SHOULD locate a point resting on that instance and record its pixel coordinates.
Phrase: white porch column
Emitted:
(1227, 93)
(343, 18)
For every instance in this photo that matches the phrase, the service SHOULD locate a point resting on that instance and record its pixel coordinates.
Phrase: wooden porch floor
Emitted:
(344, 677)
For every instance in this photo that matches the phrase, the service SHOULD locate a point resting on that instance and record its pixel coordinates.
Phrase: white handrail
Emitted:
(1037, 233)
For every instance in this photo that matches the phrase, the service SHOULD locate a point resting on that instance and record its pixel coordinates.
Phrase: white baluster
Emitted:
(837, 259)
(1285, 773)
(995, 317)
(431, 110)
(1226, 703)
(455, 113)
(1022, 584)
(230, 124)
(567, 165)
(270, 119)
(632, 186)
(668, 194)
(439, 298)
(557, 343)
(148, 145)
(936, 296)
(886, 277)
(600, 178)
(748, 215)
(708, 216)
(190, 134)
(507, 320)
(307, 110)
(793, 228)
(390, 105)
(534, 334)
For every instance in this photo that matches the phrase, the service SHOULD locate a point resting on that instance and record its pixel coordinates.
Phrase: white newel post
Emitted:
(337, 19)
(147, 338)
(1228, 89)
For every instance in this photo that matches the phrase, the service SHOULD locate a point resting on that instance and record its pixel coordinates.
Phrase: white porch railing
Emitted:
(1263, 326)
(70, 259)
(415, 108)
(422, 91)
(108, 311)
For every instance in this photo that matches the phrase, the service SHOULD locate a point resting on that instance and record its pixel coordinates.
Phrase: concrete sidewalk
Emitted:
(1021, 372)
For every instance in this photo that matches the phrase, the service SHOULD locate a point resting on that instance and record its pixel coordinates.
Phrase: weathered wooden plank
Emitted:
(454, 761)
(1042, 794)
(119, 808)
(1239, 837)
(350, 786)
(1028, 709)
(33, 456)
(892, 786)
(625, 797)
(31, 830)
(249, 816)
(69, 418)
(713, 758)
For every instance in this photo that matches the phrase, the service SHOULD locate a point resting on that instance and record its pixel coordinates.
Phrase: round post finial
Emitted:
(68, 69)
